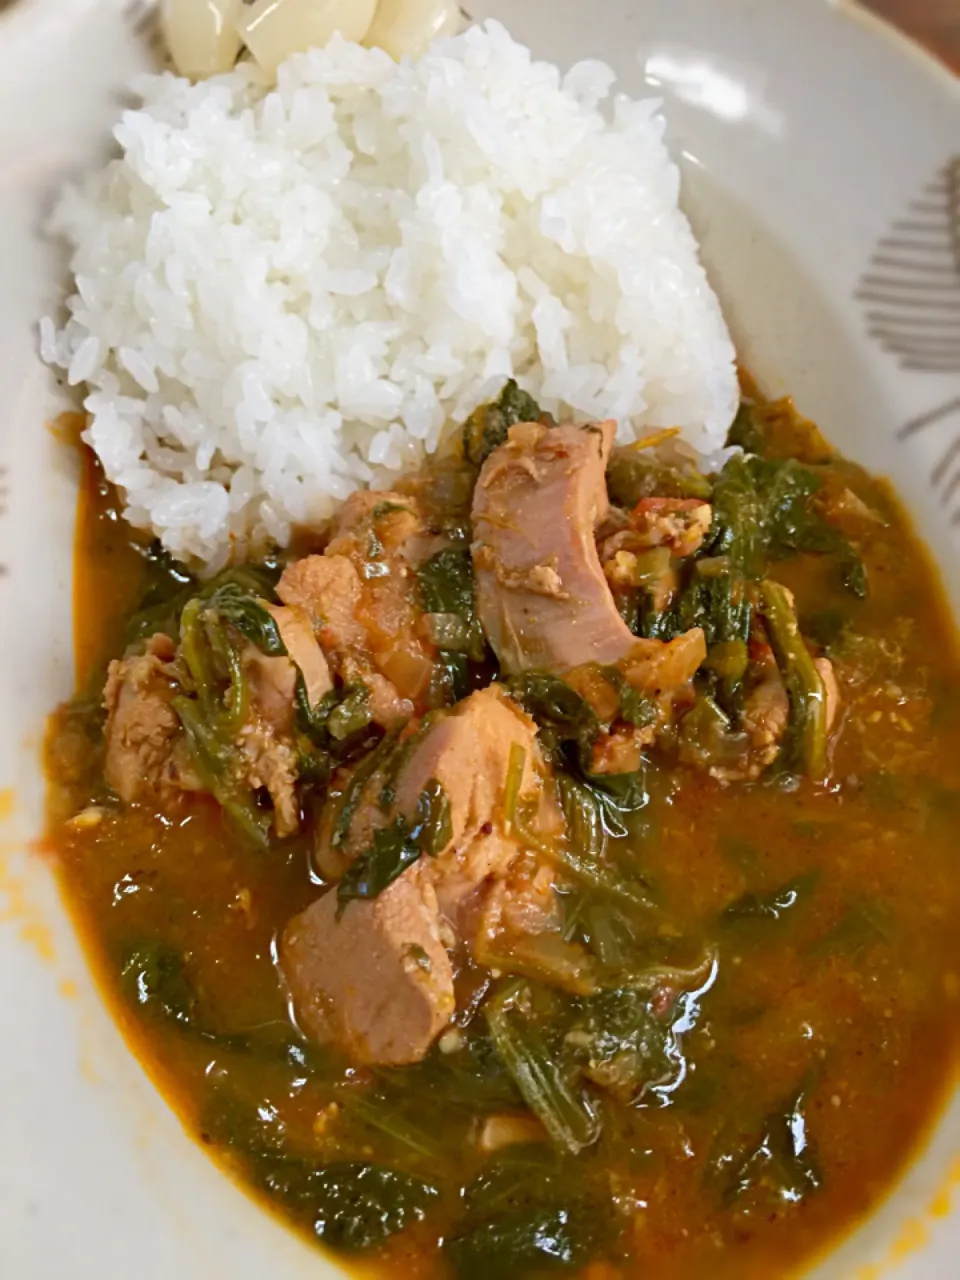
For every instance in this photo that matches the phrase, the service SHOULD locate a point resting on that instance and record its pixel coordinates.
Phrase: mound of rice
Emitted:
(283, 293)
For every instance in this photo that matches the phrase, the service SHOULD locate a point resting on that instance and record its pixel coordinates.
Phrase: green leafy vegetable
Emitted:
(376, 759)
(154, 976)
(487, 427)
(621, 1045)
(763, 510)
(213, 758)
(517, 1245)
(808, 697)
(588, 820)
(771, 906)
(351, 1206)
(338, 717)
(447, 591)
(525, 1214)
(398, 846)
(632, 476)
(776, 1162)
(565, 1113)
(387, 1112)
(568, 729)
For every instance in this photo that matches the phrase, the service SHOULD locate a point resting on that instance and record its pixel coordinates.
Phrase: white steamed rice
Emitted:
(283, 293)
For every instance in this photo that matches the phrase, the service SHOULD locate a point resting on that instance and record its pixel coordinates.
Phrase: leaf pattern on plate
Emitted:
(911, 288)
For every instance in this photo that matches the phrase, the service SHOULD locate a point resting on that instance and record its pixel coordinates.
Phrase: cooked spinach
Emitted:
(526, 1213)
(378, 758)
(520, 1244)
(775, 1162)
(154, 976)
(398, 846)
(391, 1113)
(336, 720)
(487, 427)
(632, 476)
(807, 740)
(620, 1044)
(350, 1205)
(568, 729)
(447, 591)
(771, 906)
(566, 1113)
(764, 509)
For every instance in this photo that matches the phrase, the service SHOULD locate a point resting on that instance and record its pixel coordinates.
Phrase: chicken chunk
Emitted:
(146, 755)
(468, 753)
(378, 981)
(329, 589)
(542, 596)
(273, 680)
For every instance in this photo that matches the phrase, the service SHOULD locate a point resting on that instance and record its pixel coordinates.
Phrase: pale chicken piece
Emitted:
(542, 597)
(269, 758)
(146, 755)
(467, 752)
(329, 589)
(378, 980)
(273, 680)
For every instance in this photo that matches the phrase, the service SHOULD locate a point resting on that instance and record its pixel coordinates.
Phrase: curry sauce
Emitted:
(799, 1040)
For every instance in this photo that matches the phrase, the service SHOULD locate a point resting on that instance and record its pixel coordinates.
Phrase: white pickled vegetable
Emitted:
(406, 27)
(201, 35)
(273, 29)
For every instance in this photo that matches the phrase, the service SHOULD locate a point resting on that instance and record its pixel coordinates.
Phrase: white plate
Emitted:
(821, 154)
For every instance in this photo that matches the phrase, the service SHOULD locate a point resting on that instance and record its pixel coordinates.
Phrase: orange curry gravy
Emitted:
(831, 912)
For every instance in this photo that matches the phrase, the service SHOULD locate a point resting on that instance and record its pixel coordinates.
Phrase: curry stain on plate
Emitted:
(15, 904)
(914, 1234)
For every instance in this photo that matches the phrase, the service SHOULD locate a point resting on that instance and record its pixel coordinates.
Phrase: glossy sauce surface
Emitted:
(826, 1009)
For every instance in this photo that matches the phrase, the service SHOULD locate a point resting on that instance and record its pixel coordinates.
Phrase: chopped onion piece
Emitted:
(273, 29)
(201, 35)
(406, 27)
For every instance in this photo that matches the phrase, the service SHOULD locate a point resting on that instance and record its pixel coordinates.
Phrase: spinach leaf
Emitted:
(487, 427)
(763, 510)
(771, 906)
(621, 1045)
(555, 706)
(167, 586)
(631, 476)
(566, 1113)
(338, 717)
(351, 1206)
(719, 603)
(807, 737)
(154, 976)
(379, 757)
(447, 589)
(568, 727)
(525, 1213)
(398, 846)
(236, 604)
(446, 582)
(520, 1244)
(777, 1162)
